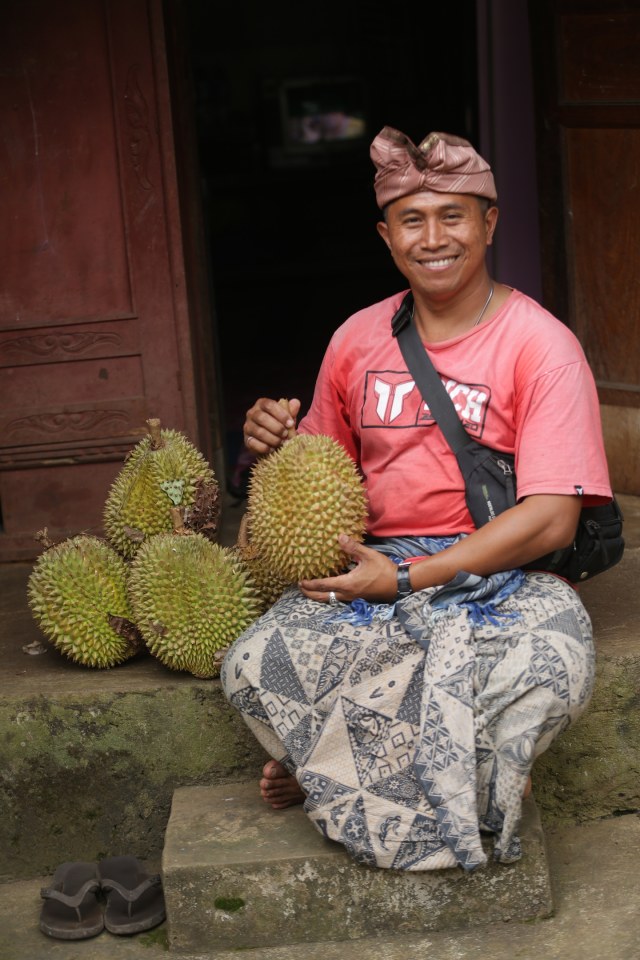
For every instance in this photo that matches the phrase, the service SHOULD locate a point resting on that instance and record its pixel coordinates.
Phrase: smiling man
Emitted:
(405, 700)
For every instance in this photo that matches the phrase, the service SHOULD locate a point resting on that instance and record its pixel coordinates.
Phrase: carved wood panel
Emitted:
(603, 178)
(95, 331)
(587, 80)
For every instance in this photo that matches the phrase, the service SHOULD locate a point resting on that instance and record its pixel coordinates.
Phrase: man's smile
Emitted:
(439, 264)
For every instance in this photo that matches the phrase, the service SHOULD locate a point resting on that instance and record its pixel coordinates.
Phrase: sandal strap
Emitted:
(74, 901)
(132, 895)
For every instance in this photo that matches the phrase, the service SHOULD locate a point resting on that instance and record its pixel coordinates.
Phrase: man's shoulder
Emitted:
(525, 308)
(536, 338)
(374, 319)
(536, 321)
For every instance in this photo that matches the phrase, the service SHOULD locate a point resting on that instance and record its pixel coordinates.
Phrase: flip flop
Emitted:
(135, 901)
(71, 910)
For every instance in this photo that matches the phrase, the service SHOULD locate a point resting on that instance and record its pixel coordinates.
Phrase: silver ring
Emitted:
(333, 600)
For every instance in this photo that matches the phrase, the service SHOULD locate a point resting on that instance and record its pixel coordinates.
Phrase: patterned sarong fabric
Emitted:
(412, 735)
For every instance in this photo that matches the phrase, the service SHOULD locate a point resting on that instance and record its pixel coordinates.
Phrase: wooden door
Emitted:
(95, 334)
(587, 75)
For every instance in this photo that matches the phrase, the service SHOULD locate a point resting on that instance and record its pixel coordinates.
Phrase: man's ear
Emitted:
(383, 230)
(490, 220)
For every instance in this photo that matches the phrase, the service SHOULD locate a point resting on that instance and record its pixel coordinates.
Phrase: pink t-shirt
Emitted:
(520, 383)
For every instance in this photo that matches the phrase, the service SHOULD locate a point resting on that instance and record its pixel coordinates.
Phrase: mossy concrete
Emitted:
(593, 769)
(238, 875)
(84, 778)
(89, 759)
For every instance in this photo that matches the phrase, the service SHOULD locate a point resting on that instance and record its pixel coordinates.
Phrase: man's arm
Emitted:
(531, 529)
(538, 525)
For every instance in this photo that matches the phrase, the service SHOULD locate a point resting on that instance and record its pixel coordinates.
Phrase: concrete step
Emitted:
(239, 875)
(594, 878)
(90, 759)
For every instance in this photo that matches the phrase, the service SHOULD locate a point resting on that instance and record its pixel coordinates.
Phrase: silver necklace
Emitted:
(482, 312)
(480, 315)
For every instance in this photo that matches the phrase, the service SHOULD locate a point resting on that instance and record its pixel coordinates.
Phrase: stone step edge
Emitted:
(241, 875)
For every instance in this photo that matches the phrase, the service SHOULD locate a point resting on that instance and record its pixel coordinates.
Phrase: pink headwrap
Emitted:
(441, 162)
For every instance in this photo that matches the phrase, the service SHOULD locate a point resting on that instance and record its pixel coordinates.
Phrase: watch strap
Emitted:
(404, 581)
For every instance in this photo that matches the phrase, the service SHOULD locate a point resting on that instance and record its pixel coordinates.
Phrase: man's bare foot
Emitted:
(527, 789)
(278, 787)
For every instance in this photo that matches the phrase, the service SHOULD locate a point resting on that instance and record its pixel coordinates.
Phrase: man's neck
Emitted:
(439, 319)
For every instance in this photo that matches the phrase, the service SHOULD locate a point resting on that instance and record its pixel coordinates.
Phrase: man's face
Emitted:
(438, 241)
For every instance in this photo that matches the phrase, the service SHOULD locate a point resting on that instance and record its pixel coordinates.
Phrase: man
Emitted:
(409, 721)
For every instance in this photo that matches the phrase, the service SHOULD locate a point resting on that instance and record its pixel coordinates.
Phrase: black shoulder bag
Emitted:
(489, 475)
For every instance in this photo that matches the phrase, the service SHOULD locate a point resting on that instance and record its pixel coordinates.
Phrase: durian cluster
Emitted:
(160, 582)
(163, 584)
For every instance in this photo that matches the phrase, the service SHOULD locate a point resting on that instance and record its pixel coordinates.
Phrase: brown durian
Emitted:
(268, 585)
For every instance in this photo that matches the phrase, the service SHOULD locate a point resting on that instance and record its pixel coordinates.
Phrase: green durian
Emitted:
(162, 471)
(191, 599)
(78, 594)
(300, 498)
(268, 585)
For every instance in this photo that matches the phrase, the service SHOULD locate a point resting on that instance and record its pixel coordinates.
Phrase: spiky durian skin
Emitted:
(301, 497)
(269, 587)
(191, 599)
(137, 507)
(73, 589)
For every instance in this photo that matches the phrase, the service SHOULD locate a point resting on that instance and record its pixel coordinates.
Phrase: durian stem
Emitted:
(284, 403)
(155, 433)
(129, 632)
(42, 536)
(178, 520)
(243, 532)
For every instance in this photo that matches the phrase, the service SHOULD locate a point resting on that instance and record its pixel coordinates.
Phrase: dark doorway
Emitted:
(289, 206)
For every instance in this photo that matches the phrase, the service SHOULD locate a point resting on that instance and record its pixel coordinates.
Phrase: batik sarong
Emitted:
(413, 734)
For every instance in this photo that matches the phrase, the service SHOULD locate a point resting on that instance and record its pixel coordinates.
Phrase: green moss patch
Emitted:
(228, 904)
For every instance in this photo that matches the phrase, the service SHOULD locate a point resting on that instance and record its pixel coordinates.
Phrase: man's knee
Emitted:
(231, 672)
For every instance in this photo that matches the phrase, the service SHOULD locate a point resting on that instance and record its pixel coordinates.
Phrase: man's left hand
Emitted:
(373, 578)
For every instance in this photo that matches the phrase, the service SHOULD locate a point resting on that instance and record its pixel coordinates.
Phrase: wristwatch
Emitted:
(404, 583)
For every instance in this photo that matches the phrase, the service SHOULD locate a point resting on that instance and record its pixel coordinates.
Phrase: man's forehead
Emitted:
(432, 199)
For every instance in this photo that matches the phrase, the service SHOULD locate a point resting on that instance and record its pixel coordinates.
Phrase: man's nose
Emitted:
(433, 234)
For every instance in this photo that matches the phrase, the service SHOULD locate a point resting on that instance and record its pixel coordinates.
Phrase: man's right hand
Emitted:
(268, 424)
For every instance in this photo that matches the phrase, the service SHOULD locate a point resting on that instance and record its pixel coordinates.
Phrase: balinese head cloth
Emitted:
(441, 162)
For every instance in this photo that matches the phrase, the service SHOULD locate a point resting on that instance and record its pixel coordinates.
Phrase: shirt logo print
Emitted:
(391, 399)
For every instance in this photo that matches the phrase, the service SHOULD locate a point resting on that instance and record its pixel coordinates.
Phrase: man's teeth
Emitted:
(439, 263)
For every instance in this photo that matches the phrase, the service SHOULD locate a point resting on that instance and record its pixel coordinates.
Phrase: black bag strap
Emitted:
(426, 377)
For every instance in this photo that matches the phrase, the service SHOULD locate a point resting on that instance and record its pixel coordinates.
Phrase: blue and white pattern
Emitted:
(414, 732)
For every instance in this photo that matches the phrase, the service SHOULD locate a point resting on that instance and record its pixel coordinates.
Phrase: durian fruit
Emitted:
(162, 471)
(78, 594)
(191, 599)
(268, 585)
(301, 497)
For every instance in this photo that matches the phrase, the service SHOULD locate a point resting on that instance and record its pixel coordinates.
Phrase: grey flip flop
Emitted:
(135, 901)
(71, 910)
